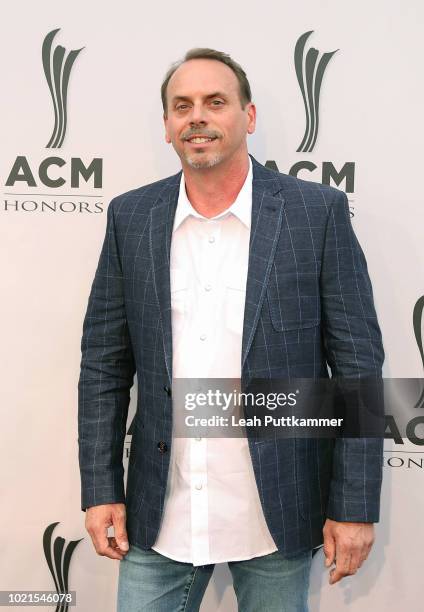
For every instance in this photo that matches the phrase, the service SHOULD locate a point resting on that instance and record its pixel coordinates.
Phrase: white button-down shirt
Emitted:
(212, 509)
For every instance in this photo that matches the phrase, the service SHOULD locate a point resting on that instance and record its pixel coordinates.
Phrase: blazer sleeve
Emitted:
(107, 374)
(354, 349)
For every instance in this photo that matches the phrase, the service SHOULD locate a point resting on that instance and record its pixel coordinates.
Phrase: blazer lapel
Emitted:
(267, 214)
(162, 220)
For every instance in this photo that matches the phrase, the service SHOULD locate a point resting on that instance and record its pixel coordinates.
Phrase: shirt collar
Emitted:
(241, 207)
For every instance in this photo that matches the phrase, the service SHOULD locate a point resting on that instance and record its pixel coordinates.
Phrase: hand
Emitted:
(347, 545)
(97, 521)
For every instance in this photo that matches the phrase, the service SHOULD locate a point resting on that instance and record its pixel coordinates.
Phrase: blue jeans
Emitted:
(150, 582)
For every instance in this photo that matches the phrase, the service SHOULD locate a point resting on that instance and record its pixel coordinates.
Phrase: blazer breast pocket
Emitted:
(294, 301)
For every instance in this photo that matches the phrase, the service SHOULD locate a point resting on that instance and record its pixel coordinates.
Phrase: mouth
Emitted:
(200, 140)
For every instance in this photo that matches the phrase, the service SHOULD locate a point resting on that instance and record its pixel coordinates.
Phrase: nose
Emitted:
(198, 116)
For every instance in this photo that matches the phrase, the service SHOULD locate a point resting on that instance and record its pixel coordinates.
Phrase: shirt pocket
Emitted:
(235, 279)
(179, 297)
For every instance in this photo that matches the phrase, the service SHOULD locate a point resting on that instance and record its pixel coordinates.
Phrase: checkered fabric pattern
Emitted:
(309, 308)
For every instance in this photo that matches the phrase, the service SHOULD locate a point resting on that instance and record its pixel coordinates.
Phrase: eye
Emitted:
(181, 107)
(217, 102)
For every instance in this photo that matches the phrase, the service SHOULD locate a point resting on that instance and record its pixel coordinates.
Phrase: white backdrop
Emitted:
(370, 114)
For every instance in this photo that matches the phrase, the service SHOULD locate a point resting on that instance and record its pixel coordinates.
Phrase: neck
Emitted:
(213, 190)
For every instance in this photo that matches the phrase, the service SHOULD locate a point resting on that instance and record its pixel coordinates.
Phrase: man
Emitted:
(226, 270)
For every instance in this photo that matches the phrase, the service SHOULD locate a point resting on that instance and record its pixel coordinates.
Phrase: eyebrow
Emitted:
(216, 94)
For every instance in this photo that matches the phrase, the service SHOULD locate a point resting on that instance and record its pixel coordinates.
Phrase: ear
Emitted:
(165, 121)
(251, 118)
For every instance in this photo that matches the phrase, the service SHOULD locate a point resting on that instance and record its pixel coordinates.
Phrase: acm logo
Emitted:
(58, 64)
(414, 427)
(310, 68)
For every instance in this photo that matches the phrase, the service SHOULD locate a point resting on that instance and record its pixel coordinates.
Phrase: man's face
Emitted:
(205, 122)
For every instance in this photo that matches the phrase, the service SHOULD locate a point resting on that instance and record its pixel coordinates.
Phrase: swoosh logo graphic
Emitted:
(417, 318)
(310, 72)
(57, 69)
(58, 560)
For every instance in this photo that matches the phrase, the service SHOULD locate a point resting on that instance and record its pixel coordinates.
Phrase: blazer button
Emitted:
(167, 390)
(162, 446)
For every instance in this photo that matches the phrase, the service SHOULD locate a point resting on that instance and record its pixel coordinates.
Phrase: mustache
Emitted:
(200, 132)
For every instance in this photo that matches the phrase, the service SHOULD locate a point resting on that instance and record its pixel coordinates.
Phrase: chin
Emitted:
(208, 162)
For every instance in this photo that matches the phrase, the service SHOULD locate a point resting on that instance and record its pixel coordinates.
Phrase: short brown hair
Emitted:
(219, 56)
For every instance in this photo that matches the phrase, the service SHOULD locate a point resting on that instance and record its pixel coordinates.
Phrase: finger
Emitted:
(112, 542)
(111, 553)
(114, 546)
(329, 549)
(355, 560)
(99, 537)
(342, 565)
(110, 550)
(106, 550)
(102, 544)
(120, 530)
(367, 547)
(364, 555)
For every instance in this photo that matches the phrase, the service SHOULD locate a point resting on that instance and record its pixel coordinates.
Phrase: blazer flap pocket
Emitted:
(291, 313)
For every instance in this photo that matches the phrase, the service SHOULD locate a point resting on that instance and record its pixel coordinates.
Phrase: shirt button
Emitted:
(211, 239)
(198, 487)
(208, 287)
(203, 337)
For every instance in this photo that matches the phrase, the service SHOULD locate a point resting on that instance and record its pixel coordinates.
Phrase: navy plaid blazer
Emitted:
(309, 305)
